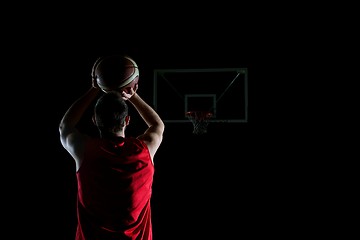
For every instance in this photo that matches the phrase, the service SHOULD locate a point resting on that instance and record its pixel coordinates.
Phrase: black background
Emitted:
(230, 183)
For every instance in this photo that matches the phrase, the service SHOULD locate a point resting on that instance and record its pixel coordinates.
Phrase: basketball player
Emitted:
(114, 171)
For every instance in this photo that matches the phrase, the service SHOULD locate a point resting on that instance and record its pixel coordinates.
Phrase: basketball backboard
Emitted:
(222, 91)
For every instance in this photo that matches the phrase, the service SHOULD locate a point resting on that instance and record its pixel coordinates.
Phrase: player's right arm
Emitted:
(153, 135)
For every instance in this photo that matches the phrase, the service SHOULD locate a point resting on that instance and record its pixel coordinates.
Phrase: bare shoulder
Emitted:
(152, 140)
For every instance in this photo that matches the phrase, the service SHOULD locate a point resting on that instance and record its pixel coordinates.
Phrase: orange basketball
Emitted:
(116, 72)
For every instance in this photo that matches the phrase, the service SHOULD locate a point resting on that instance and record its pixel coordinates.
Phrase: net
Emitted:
(200, 120)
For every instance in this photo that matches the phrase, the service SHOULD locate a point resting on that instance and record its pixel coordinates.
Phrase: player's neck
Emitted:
(113, 135)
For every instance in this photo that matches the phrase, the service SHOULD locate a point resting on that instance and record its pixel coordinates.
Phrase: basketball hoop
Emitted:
(200, 120)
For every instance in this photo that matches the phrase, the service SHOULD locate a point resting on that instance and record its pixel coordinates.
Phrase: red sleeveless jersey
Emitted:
(114, 191)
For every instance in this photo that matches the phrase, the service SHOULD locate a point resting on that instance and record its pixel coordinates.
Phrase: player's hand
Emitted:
(129, 92)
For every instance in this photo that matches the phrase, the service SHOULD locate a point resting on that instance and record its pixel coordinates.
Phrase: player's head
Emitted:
(110, 113)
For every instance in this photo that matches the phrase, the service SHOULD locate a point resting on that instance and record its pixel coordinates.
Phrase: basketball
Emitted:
(116, 72)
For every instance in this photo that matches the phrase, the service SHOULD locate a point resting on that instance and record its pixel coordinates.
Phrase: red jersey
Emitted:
(114, 191)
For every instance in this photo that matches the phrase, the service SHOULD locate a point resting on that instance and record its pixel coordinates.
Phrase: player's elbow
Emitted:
(161, 127)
